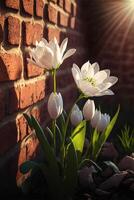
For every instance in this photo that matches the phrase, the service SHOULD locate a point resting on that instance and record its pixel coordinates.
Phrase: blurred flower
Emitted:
(91, 81)
(50, 55)
(55, 105)
(76, 115)
(100, 121)
(89, 109)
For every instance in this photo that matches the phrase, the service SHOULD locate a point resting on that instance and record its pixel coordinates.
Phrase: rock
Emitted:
(114, 181)
(85, 178)
(107, 172)
(100, 192)
(109, 151)
(126, 163)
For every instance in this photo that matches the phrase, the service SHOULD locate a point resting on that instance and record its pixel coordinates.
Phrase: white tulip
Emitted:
(55, 105)
(96, 119)
(76, 116)
(100, 121)
(50, 55)
(93, 82)
(89, 109)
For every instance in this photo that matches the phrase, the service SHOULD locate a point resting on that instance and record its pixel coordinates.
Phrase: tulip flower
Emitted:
(93, 82)
(55, 105)
(49, 55)
(100, 121)
(76, 116)
(89, 110)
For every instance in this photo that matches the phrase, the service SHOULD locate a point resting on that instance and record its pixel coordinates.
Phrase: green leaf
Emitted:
(27, 166)
(112, 166)
(78, 138)
(53, 177)
(70, 181)
(104, 136)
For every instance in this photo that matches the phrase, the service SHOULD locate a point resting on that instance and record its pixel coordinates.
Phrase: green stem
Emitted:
(54, 134)
(54, 80)
(67, 121)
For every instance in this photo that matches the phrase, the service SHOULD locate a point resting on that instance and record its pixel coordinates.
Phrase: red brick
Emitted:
(12, 4)
(39, 90)
(2, 104)
(64, 20)
(32, 145)
(8, 135)
(13, 99)
(33, 33)
(67, 6)
(52, 14)
(33, 70)
(22, 125)
(28, 6)
(27, 94)
(13, 30)
(54, 1)
(2, 19)
(61, 3)
(10, 66)
(74, 9)
(39, 8)
(53, 32)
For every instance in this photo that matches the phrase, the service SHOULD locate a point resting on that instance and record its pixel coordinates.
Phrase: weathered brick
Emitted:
(8, 135)
(54, 1)
(2, 20)
(2, 104)
(28, 6)
(61, 3)
(52, 14)
(13, 30)
(32, 145)
(53, 32)
(32, 70)
(10, 66)
(22, 125)
(33, 33)
(39, 90)
(67, 6)
(64, 20)
(12, 4)
(27, 94)
(12, 97)
(40, 8)
(74, 9)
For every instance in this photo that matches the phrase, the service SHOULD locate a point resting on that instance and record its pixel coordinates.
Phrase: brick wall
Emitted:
(110, 42)
(25, 87)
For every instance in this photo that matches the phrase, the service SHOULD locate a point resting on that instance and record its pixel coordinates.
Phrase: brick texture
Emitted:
(24, 87)
(13, 30)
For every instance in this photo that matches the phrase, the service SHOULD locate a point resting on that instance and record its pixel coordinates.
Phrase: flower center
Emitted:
(91, 81)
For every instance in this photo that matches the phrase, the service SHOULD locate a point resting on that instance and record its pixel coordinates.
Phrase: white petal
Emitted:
(76, 72)
(100, 76)
(106, 92)
(111, 79)
(96, 119)
(89, 110)
(69, 53)
(87, 88)
(96, 67)
(87, 70)
(63, 46)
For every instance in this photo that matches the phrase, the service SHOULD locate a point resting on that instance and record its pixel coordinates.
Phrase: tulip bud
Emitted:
(89, 110)
(100, 121)
(96, 118)
(55, 105)
(103, 123)
(76, 115)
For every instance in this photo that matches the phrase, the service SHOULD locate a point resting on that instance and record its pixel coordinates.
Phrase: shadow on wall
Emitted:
(109, 34)
(11, 153)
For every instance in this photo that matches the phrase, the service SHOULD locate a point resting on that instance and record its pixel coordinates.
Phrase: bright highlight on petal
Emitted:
(49, 55)
(91, 81)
